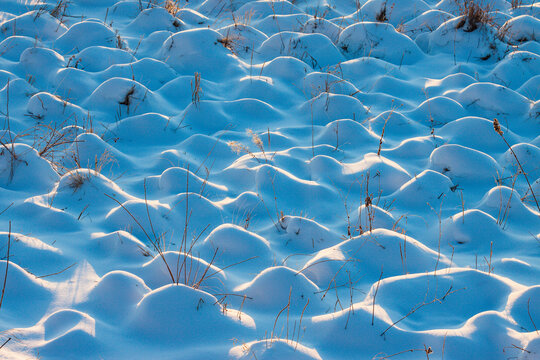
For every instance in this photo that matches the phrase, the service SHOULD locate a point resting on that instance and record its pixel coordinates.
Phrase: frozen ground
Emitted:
(235, 179)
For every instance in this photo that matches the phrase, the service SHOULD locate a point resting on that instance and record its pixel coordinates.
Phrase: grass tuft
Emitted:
(473, 15)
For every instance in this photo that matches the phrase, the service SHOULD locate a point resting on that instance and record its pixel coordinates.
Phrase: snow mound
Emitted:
(85, 34)
(425, 190)
(452, 36)
(119, 245)
(26, 299)
(115, 296)
(443, 293)
(464, 131)
(306, 235)
(282, 283)
(18, 163)
(355, 257)
(33, 24)
(12, 47)
(68, 331)
(281, 349)
(474, 230)
(380, 40)
(181, 314)
(232, 244)
(395, 12)
(98, 58)
(173, 267)
(183, 50)
(29, 252)
(523, 309)
(463, 164)
(316, 50)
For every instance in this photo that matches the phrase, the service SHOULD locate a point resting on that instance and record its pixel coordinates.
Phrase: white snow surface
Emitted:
(237, 179)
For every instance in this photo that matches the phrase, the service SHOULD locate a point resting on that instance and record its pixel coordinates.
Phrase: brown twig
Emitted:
(530, 317)
(374, 296)
(154, 243)
(56, 273)
(7, 266)
(300, 324)
(497, 128)
(5, 342)
(418, 307)
(6, 209)
(279, 313)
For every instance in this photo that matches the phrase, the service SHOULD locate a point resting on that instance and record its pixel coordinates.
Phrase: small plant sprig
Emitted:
(498, 130)
(119, 42)
(172, 7)
(238, 148)
(196, 89)
(59, 11)
(515, 4)
(7, 265)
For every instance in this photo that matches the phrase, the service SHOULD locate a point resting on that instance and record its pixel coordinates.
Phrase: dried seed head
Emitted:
(368, 201)
(255, 139)
(497, 127)
(235, 146)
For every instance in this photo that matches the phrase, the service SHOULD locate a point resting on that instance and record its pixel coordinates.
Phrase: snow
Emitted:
(269, 179)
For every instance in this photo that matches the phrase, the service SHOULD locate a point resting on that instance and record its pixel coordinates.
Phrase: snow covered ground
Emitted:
(236, 179)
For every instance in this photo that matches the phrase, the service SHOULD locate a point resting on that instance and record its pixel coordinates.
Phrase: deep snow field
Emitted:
(236, 179)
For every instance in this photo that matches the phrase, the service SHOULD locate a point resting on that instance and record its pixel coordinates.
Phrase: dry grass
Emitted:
(184, 272)
(155, 240)
(59, 11)
(9, 144)
(56, 142)
(196, 89)
(7, 266)
(381, 15)
(78, 177)
(498, 130)
(244, 20)
(51, 140)
(239, 148)
(172, 7)
(233, 43)
(473, 15)
(426, 350)
(119, 42)
(514, 4)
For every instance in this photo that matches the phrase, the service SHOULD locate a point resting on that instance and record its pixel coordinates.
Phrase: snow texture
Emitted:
(270, 179)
